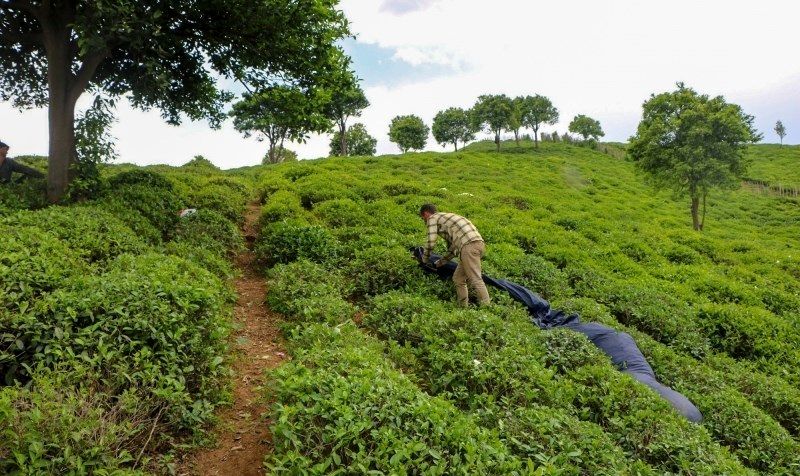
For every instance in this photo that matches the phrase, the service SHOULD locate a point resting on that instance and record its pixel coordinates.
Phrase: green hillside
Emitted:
(776, 165)
(717, 314)
(116, 334)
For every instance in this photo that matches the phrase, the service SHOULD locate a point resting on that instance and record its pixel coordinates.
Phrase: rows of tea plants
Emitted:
(776, 165)
(716, 313)
(114, 321)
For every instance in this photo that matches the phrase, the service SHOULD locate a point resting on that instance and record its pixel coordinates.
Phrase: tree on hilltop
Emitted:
(359, 142)
(494, 112)
(408, 132)
(586, 127)
(453, 125)
(278, 113)
(537, 110)
(347, 100)
(692, 143)
(162, 54)
(515, 121)
(780, 130)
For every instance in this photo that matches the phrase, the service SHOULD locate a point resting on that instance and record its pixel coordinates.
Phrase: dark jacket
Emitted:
(9, 166)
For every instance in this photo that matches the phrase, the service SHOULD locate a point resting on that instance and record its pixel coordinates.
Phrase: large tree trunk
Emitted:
(516, 136)
(343, 136)
(61, 114)
(455, 144)
(497, 139)
(695, 214)
(536, 137)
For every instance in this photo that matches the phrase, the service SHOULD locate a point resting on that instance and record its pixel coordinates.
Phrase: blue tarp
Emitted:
(620, 346)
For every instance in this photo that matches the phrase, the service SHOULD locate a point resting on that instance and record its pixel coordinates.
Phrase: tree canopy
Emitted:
(164, 54)
(586, 127)
(359, 141)
(494, 113)
(278, 113)
(535, 111)
(780, 129)
(346, 100)
(692, 143)
(453, 125)
(408, 132)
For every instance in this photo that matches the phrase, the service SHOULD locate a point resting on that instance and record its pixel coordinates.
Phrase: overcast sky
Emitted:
(600, 58)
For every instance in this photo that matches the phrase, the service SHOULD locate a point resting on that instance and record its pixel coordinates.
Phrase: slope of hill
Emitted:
(775, 165)
(717, 314)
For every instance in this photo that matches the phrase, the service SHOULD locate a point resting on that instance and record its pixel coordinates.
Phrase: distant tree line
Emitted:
(491, 113)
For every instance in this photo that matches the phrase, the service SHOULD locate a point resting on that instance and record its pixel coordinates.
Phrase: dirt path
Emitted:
(242, 436)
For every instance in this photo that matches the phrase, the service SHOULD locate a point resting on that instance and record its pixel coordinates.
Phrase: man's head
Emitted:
(3, 150)
(427, 210)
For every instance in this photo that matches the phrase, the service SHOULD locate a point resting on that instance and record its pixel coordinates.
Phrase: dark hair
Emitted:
(3, 145)
(428, 207)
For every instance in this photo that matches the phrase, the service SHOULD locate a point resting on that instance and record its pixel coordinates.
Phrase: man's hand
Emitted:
(441, 262)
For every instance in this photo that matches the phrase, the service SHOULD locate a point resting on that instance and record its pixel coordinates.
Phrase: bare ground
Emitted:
(243, 437)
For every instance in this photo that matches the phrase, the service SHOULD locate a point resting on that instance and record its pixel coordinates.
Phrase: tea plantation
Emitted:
(115, 326)
(114, 320)
(388, 375)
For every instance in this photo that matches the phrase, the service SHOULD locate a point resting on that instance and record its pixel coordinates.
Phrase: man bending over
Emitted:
(464, 241)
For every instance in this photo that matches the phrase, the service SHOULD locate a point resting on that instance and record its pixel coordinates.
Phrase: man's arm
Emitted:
(431, 241)
(25, 170)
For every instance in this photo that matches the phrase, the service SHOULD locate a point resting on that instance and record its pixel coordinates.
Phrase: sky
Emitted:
(599, 58)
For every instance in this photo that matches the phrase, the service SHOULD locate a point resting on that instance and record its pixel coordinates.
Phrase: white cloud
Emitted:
(400, 7)
(597, 58)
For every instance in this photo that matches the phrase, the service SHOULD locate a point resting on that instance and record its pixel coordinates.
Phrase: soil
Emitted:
(242, 434)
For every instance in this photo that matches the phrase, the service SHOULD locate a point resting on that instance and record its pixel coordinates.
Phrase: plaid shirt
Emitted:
(456, 230)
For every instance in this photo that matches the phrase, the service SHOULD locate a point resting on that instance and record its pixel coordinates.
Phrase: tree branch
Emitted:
(86, 72)
(22, 6)
(25, 39)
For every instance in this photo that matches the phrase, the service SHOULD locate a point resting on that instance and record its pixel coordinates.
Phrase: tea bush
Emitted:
(96, 234)
(33, 263)
(281, 205)
(105, 337)
(288, 241)
(715, 313)
(341, 407)
(209, 230)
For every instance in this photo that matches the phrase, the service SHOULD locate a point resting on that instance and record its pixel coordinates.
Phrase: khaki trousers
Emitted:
(469, 271)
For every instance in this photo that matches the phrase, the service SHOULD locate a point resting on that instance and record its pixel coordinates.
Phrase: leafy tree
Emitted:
(284, 155)
(587, 127)
(535, 111)
(163, 54)
(200, 162)
(780, 130)
(278, 113)
(515, 121)
(94, 145)
(692, 143)
(453, 125)
(347, 100)
(408, 132)
(359, 142)
(494, 113)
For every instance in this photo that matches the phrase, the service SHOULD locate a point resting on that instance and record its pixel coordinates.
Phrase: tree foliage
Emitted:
(692, 143)
(162, 54)
(408, 132)
(586, 127)
(780, 129)
(453, 125)
(359, 141)
(494, 113)
(346, 100)
(278, 113)
(535, 111)
(94, 145)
